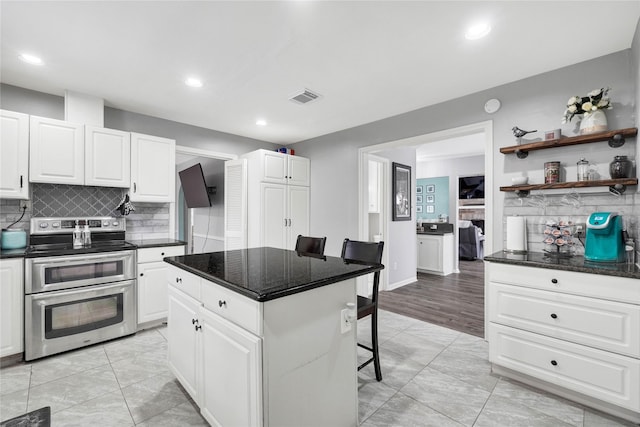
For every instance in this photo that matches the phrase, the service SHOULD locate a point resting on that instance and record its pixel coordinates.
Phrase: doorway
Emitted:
(483, 128)
(201, 228)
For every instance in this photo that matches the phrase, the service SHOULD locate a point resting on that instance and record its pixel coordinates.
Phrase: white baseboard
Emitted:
(396, 285)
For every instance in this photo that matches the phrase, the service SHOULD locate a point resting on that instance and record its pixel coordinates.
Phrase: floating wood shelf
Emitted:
(615, 185)
(615, 138)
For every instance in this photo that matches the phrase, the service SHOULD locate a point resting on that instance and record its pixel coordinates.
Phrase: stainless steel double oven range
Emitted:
(75, 297)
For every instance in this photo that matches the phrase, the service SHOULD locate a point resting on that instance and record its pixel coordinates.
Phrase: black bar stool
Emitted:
(370, 253)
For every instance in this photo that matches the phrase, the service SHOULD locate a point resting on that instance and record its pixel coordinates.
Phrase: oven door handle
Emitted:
(68, 295)
(78, 259)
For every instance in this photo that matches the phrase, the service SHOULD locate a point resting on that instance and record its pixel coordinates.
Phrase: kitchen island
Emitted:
(258, 337)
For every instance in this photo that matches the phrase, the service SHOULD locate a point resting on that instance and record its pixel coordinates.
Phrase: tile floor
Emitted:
(432, 376)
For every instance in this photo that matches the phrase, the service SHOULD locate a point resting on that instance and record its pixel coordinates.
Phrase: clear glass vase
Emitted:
(593, 122)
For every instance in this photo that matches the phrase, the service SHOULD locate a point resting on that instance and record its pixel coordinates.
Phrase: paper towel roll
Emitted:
(516, 234)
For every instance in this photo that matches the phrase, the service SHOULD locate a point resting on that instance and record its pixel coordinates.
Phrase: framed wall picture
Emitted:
(429, 209)
(401, 192)
(430, 198)
(431, 188)
(419, 199)
(418, 208)
(419, 189)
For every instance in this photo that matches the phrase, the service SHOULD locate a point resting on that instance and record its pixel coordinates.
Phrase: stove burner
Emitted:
(54, 236)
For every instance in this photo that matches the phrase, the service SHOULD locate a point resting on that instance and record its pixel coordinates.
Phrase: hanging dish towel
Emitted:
(125, 207)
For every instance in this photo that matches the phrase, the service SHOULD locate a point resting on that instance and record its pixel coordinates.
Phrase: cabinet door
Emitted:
(274, 227)
(298, 216)
(107, 157)
(231, 373)
(14, 155)
(11, 306)
(153, 163)
(56, 151)
(429, 253)
(235, 204)
(273, 166)
(183, 352)
(298, 170)
(152, 291)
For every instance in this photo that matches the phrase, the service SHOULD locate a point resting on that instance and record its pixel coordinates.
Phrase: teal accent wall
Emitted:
(440, 197)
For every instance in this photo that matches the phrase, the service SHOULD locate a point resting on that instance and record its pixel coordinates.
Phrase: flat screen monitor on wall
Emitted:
(194, 187)
(471, 187)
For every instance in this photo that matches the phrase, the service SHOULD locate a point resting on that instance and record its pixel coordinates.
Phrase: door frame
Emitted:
(196, 152)
(485, 127)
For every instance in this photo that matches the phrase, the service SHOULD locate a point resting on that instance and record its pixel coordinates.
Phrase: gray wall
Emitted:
(533, 103)
(150, 219)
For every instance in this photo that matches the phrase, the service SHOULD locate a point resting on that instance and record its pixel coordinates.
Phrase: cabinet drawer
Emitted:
(185, 281)
(157, 254)
(607, 325)
(594, 285)
(232, 306)
(602, 375)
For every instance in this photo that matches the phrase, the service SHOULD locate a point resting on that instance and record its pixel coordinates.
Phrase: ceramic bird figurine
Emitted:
(519, 133)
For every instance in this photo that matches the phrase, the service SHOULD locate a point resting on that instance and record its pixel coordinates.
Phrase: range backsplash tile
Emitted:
(60, 200)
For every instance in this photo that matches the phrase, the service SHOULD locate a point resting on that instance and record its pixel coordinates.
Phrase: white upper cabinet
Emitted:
(298, 170)
(281, 168)
(153, 162)
(14, 155)
(61, 152)
(56, 151)
(108, 157)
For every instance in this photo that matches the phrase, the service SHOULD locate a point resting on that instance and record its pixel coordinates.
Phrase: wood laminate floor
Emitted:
(455, 301)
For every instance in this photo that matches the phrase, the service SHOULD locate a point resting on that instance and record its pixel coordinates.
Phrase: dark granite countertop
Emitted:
(12, 253)
(433, 233)
(155, 243)
(574, 263)
(264, 274)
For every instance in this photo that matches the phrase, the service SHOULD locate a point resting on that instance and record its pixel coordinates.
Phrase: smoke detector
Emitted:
(304, 97)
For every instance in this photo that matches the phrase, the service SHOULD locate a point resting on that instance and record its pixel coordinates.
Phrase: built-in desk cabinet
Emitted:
(14, 155)
(575, 334)
(11, 306)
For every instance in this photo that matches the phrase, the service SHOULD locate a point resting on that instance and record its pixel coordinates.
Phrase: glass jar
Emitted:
(583, 170)
(620, 167)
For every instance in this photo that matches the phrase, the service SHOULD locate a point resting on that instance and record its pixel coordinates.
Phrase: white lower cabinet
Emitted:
(575, 334)
(246, 363)
(152, 282)
(233, 358)
(11, 306)
(435, 253)
(183, 351)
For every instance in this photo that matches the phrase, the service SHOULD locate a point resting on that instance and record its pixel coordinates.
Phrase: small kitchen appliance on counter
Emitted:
(604, 240)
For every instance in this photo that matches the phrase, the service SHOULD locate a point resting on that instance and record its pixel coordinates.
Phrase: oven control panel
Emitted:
(67, 225)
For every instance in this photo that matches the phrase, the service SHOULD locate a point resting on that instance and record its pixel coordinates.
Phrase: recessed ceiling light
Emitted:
(477, 31)
(261, 122)
(30, 59)
(193, 82)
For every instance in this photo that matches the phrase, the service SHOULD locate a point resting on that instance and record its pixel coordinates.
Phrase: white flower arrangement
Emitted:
(595, 100)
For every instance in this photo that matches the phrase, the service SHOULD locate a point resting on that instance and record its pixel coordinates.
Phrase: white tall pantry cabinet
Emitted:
(276, 205)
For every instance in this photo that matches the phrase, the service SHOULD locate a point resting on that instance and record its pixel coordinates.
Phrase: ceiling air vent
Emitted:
(304, 97)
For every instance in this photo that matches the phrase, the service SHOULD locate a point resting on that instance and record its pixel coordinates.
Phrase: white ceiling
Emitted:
(368, 60)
